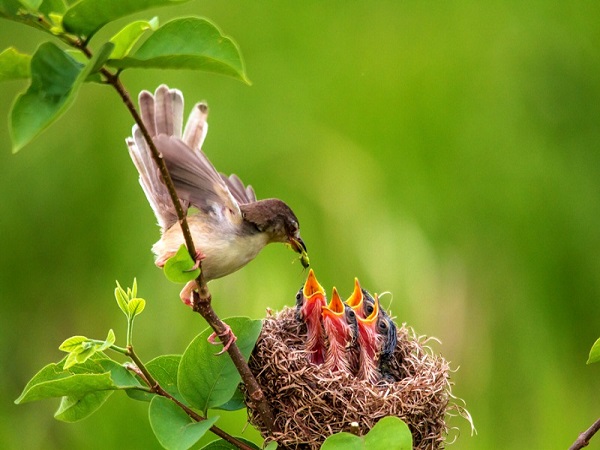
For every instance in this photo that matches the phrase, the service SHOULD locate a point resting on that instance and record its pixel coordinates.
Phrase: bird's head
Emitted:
(355, 301)
(311, 297)
(273, 217)
(339, 320)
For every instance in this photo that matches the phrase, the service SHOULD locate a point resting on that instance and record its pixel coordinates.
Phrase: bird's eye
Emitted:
(382, 325)
(369, 309)
(351, 314)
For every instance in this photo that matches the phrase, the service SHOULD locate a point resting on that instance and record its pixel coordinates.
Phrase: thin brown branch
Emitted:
(156, 388)
(202, 305)
(205, 309)
(584, 438)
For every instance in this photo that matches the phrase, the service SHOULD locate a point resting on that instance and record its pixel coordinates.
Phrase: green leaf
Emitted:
(594, 353)
(221, 444)
(73, 344)
(32, 5)
(53, 7)
(9, 9)
(178, 268)
(53, 382)
(389, 433)
(188, 43)
(136, 306)
(206, 380)
(73, 409)
(55, 81)
(14, 65)
(173, 428)
(86, 17)
(271, 446)
(235, 403)
(110, 340)
(125, 39)
(122, 299)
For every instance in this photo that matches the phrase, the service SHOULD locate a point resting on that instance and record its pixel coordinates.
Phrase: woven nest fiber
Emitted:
(310, 403)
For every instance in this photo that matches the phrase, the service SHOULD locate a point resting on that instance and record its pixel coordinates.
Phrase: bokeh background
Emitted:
(446, 152)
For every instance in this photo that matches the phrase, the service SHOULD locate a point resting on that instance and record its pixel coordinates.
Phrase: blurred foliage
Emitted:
(447, 153)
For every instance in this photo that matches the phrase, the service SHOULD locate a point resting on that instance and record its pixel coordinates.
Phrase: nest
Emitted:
(310, 403)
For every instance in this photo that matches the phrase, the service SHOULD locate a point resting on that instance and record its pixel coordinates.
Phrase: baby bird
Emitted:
(341, 328)
(310, 301)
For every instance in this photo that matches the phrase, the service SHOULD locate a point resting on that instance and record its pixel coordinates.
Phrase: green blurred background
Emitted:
(447, 153)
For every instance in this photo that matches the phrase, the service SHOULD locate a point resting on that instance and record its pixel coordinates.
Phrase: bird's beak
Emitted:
(371, 320)
(336, 306)
(312, 286)
(356, 298)
(298, 246)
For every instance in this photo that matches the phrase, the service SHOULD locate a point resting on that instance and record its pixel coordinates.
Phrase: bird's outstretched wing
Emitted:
(196, 180)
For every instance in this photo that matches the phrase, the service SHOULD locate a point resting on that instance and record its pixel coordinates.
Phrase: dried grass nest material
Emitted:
(310, 403)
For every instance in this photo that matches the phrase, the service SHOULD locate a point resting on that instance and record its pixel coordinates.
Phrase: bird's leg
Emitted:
(187, 292)
(226, 333)
(198, 259)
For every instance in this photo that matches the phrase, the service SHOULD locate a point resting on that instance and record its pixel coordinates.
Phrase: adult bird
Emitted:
(230, 226)
(310, 301)
(341, 329)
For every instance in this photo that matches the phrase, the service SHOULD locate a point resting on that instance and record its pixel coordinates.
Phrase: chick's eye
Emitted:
(383, 325)
(351, 314)
(369, 309)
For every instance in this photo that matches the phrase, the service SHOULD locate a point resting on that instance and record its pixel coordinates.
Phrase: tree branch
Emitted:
(584, 438)
(156, 388)
(202, 305)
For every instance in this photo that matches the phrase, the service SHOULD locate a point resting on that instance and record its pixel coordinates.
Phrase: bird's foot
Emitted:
(231, 338)
(187, 292)
(198, 259)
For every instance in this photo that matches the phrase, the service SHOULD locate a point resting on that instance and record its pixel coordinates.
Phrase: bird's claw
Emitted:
(197, 260)
(226, 333)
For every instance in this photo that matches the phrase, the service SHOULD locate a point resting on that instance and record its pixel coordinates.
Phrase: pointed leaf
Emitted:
(136, 306)
(389, 432)
(73, 409)
(271, 446)
(73, 385)
(173, 428)
(206, 380)
(188, 43)
(55, 81)
(86, 17)
(178, 268)
(14, 65)
(125, 39)
(73, 344)
(32, 5)
(594, 353)
(221, 444)
(110, 340)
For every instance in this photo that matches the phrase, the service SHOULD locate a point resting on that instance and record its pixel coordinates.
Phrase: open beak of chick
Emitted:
(355, 301)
